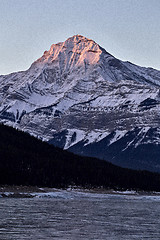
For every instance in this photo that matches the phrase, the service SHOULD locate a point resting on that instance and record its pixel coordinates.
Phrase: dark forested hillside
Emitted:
(24, 160)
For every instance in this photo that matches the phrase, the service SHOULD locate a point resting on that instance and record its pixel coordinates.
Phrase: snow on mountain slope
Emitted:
(78, 95)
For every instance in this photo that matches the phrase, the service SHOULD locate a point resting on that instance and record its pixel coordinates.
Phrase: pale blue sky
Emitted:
(128, 29)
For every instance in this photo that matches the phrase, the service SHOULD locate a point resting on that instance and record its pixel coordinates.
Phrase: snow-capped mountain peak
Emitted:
(77, 95)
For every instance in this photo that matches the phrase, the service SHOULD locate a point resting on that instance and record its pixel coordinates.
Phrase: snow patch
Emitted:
(95, 136)
(71, 139)
(118, 135)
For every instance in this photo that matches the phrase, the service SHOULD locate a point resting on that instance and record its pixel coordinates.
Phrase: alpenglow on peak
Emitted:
(76, 40)
(75, 51)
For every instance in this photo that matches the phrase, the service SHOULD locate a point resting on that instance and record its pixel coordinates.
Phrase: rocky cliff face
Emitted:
(81, 98)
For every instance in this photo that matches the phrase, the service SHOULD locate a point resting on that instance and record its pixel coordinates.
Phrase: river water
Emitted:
(80, 215)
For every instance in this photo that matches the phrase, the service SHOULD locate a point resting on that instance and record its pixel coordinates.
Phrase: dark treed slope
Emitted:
(24, 160)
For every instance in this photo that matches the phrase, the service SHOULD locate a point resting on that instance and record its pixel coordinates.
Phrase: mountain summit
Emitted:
(81, 98)
(76, 52)
(72, 52)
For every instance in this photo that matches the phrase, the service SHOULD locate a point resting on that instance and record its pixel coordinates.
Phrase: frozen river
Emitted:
(80, 215)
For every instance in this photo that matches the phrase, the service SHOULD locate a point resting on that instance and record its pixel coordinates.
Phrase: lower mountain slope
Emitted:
(25, 160)
(136, 149)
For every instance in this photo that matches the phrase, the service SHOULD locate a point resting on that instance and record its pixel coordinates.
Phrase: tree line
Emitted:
(25, 160)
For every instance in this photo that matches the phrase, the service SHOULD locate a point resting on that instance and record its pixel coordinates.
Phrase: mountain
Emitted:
(25, 160)
(79, 97)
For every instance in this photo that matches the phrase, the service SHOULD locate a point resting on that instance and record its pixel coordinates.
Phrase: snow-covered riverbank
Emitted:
(72, 192)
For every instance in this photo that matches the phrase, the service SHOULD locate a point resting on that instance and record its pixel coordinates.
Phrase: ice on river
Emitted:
(74, 214)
